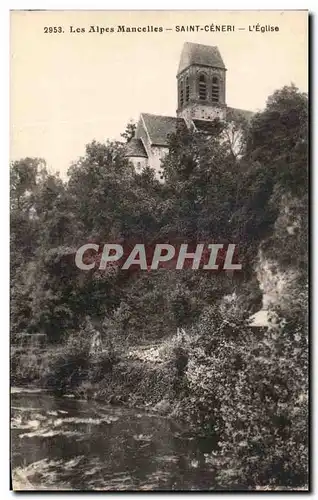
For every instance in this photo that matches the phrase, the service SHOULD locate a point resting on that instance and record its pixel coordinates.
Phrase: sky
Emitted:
(67, 89)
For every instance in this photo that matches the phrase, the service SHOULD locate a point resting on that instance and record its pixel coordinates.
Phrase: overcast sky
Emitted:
(70, 88)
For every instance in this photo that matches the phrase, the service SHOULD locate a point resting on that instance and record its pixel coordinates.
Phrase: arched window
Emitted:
(181, 96)
(187, 90)
(202, 87)
(215, 89)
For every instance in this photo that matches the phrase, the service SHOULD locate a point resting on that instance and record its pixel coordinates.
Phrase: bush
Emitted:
(264, 409)
(250, 395)
(72, 363)
(25, 367)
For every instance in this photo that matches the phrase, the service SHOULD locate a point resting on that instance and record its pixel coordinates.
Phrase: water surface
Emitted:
(67, 444)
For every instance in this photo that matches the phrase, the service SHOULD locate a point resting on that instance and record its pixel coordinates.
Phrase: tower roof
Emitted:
(202, 55)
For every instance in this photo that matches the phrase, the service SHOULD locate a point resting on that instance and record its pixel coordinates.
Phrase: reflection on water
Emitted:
(66, 444)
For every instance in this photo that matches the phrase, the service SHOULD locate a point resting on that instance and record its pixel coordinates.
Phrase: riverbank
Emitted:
(144, 452)
(145, 377)
(199, 384)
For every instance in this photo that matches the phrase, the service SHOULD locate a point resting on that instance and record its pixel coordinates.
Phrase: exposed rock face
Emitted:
(276, 282)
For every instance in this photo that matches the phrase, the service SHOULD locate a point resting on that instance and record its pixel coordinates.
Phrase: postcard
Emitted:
(159, 250)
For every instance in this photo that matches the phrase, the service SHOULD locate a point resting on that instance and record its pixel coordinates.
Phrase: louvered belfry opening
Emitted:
(187, 89)
(202, 87)
(181, 95)
(215, 89)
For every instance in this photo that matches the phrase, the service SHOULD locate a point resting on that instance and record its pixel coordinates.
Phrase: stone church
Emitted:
(201, 80)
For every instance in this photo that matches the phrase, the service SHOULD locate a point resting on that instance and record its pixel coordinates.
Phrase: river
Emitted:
(60, 443)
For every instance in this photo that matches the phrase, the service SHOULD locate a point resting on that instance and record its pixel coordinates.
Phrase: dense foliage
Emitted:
(246, 184)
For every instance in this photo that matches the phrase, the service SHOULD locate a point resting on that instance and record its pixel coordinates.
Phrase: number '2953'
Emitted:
(53, 29)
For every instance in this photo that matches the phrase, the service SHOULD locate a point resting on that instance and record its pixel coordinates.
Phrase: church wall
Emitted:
(157, 155)
(203, 112)
(195, 72)
(139, 162)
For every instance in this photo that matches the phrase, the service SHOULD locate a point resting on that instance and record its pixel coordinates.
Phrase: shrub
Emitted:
(264, 409)
(250, 394)
(72, 363)
(25, 367)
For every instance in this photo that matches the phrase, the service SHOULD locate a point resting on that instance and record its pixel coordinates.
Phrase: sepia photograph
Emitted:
(159, 286)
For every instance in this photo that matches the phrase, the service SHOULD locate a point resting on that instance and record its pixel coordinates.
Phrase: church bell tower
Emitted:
(201, 83)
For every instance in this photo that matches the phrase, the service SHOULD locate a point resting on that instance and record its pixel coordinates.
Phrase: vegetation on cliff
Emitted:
(245, 391)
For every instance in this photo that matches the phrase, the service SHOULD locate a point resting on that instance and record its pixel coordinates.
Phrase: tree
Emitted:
(129, 131)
